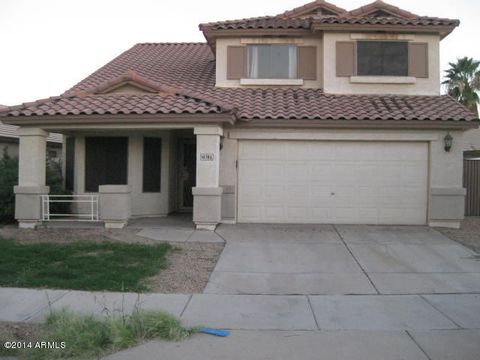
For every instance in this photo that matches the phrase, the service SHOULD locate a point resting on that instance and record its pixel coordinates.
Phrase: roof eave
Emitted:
(361, 124)
(98, 119)
(442, 30)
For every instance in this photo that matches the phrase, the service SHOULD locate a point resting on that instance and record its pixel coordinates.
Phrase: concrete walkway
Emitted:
(284, 327)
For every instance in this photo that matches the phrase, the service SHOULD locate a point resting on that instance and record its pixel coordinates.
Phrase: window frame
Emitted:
(292, 65)
(383, 74)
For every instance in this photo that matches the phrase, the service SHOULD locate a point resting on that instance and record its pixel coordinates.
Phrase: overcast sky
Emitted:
(49, 45)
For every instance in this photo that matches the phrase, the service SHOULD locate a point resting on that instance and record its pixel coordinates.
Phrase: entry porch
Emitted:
(130, 172)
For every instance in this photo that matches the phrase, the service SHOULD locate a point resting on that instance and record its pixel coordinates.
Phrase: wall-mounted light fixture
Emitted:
(448, 141)
(221, 143)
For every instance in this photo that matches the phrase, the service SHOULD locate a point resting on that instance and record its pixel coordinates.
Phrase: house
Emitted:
(9, 141)
(315, 115)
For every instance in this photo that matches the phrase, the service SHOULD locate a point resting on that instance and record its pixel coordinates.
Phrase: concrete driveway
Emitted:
(340, 260)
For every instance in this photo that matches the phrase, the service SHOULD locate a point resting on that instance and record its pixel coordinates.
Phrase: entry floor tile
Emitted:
(377, 312)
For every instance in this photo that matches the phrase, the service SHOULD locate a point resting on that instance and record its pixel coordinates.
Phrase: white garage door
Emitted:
(332, 182)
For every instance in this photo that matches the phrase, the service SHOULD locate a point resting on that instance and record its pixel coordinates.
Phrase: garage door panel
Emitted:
(332, 182)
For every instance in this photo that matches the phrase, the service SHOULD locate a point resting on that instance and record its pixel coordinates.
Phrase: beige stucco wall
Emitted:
(343, 85)
(143, 204)
(221, 57)
(445, 168)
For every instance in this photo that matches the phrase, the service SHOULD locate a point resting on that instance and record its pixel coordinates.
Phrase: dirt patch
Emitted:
(68, 235)
(10, 331)
(189, 268)
(189, 264)
(468, 234)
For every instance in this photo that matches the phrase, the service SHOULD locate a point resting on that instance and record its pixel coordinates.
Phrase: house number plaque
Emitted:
(207, 156)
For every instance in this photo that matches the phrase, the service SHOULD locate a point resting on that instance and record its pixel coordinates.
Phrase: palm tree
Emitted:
(463, 82)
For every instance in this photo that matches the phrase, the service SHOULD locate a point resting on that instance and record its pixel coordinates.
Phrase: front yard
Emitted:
(81, 265)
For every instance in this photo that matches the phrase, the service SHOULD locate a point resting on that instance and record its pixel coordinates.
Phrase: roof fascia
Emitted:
(360, 124)
(110, 119)
(443, 31)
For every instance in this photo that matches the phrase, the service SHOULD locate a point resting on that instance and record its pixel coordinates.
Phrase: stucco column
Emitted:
(207, 195)
(31, 176)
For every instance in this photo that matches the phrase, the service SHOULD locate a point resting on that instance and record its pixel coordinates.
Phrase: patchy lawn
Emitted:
(468, 234)
(79, 336)
(84, 265)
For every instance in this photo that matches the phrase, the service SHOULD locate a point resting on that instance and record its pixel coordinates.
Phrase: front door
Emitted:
(187, 172)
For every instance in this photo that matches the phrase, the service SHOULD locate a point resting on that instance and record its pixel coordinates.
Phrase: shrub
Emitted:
(9, 178)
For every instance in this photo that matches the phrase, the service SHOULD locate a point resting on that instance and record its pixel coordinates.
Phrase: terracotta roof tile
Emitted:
(188, 70)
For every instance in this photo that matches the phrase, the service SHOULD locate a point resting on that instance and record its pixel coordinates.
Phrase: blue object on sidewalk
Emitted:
(216, 332)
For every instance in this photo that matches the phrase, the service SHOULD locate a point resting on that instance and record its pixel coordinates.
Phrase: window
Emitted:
(105, 162)
(272, 62)
(152, 155)
(382, 58)
(69, 163)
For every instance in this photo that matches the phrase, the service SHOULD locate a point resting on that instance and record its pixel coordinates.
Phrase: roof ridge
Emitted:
(171, 43)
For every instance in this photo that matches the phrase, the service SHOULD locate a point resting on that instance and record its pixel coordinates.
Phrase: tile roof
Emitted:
(175, 67)
(264, 22)
(385, 20)
(114, 104)
(321, 12)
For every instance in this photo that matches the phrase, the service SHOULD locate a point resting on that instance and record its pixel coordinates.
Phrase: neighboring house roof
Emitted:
(192, 66)
(10, 131)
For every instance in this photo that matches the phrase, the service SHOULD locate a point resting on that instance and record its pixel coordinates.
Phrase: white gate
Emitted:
(87, 207)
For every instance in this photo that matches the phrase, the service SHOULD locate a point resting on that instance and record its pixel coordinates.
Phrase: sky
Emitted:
(47, 46)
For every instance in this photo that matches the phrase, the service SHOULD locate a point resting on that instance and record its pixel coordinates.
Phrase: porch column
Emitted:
(207, 195)
(31, 176)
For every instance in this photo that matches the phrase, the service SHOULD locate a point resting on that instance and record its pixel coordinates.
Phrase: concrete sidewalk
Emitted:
(356, 327)
(261, 312)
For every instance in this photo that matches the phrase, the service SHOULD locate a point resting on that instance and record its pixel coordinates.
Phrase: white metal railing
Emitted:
(88, 212)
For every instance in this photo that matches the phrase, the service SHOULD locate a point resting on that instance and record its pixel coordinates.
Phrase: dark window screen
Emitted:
(69, 163)
(388, 58)
(152, 155)
(105, 162)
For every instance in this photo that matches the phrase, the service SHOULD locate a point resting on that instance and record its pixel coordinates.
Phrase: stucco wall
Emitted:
(221, 57)
(143, 204)
(342, 85)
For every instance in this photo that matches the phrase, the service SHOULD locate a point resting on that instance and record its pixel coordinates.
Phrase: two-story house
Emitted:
(315, 115)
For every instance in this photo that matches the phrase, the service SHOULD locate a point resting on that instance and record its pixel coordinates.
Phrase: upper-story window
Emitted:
(382, 58)
(272, 62)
